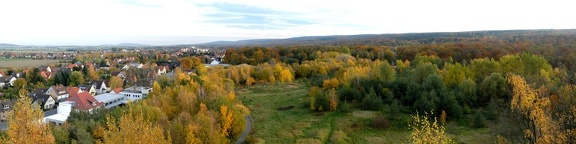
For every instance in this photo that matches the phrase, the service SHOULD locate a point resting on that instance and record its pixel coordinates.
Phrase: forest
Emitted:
(524, 80)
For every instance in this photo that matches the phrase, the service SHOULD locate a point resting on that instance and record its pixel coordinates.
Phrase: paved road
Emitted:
(4, 125)
(246, 130)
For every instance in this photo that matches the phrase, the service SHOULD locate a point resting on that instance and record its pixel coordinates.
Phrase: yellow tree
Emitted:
(115, 82)
(191, 134)
(186, 63)
(133, 128)
(535, 106)
(92, 74)
(26, 125)
(425, 131)
(333, 99)
(225, 120)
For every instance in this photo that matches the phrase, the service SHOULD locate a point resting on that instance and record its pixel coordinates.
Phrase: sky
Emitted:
(168, 22)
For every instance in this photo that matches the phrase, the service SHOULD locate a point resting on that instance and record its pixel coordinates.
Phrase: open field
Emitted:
(20, 63)
(300, 125)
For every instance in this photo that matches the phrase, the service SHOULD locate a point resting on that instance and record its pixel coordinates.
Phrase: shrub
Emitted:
(380, 122)
(371, 101)
(479, 120)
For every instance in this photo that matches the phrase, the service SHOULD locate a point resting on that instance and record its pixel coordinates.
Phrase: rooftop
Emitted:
(108, 97)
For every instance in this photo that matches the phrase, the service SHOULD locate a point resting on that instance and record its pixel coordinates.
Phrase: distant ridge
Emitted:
(7, 45)
(126, 45)
(380, 39)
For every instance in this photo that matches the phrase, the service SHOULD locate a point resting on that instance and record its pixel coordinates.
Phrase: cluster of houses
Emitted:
(86, 98)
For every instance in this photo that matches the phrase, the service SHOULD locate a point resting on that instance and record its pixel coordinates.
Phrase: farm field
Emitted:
(300, 125)
(21, 63)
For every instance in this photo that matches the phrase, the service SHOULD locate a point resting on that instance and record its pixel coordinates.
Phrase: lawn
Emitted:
(20, 63)
(301, 125)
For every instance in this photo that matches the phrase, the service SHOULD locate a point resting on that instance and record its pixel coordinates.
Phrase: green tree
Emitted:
(20, 83)
(466, 94)
(76, 78)
(493, 87)
(34, 76)
(482, 68)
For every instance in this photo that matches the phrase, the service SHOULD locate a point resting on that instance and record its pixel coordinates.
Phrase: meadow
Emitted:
(21, 62)
(273, 124)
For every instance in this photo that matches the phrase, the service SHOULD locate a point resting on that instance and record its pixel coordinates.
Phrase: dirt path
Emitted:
(246, 130)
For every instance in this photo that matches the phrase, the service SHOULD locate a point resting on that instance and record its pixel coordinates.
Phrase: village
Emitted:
(92, 81)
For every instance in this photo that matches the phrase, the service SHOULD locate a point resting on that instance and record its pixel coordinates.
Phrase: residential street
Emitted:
(4, 125)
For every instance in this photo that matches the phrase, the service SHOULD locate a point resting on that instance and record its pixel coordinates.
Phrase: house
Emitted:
(42, 99)
(133, 64)
(136, 92)
(58, 92)
(88, 88)
(101, 86)
(73, 90)
(62, 113)
(45, 68)
(161, 70)
(84, 102)
(111, 100)
(119, 74)
(5, 108)
(7, 81)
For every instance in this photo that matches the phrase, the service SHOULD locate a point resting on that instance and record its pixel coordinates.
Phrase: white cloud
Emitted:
(185, 21)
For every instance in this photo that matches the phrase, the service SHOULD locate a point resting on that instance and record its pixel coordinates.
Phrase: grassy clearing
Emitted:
(21, 63)
(300, 125)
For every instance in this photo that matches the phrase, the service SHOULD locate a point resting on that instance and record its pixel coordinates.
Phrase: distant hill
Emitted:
(382, 39)
(132, 45)
(125, 45)
(7, 45)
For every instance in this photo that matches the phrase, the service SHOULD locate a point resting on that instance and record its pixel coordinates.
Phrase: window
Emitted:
(6, 106)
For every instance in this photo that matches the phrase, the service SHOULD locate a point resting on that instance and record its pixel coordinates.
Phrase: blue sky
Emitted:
(166, 22)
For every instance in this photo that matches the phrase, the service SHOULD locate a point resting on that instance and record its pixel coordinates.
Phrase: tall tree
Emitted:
(92, 74)
(186, 63)
(76, 78)
(115, 82)
(25, 125)
(535, 106)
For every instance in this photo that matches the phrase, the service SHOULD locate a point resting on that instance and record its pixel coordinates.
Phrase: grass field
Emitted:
(20, 63)
(300, 125)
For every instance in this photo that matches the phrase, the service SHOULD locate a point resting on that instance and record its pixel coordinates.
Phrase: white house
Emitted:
(161, 70)
(7, 81)
(58, 92)
(134, 64)
(136, 92)
(111, 100)
(101, 86)
(62, 113)
(40, 97)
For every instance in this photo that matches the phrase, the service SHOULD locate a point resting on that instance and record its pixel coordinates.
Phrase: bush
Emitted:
(371, 102)
(479, 120)
(492, 111)
(380, 122)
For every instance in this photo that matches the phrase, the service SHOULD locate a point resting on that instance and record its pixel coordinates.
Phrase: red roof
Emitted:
(73, 90)
(84, 101)
(118, 90)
